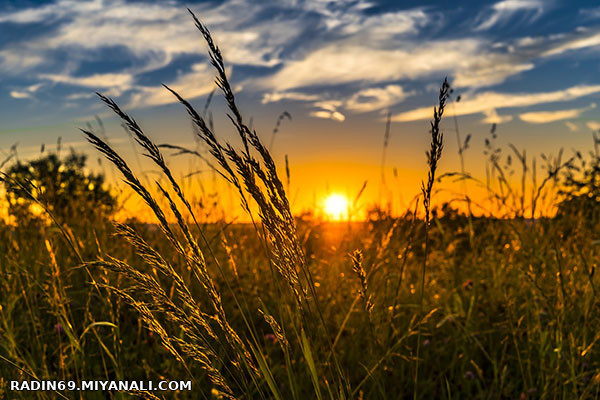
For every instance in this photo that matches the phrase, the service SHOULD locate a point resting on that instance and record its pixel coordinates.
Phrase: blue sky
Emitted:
(343, 57)
(338, 67)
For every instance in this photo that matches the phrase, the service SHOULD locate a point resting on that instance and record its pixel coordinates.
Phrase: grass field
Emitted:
(438, 303)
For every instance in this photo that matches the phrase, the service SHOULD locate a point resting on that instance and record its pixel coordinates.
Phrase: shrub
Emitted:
(61, 185)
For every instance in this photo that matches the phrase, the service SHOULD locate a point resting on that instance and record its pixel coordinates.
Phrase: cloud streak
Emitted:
(501, 12)
(489, 102)
(543, 117)
(195, 83)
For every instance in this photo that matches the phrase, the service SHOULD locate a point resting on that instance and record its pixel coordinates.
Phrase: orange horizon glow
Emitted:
(311, 193)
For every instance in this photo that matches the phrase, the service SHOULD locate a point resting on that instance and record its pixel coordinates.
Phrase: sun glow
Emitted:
(336, 207)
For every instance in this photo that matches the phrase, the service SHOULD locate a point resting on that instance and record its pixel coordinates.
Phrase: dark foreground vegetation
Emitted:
(433, 304)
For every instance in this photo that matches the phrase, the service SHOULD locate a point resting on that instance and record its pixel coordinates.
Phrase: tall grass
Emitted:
(253, 173)
(433, 157)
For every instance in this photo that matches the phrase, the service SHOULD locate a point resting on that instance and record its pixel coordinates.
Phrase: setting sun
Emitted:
(336, 207)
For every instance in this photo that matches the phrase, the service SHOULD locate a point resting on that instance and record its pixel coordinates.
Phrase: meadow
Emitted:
(461, 300)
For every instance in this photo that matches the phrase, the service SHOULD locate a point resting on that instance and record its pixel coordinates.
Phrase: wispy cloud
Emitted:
(349, 18)
(357, 53)
(377, 98)
(153, 36)
(119, 80)
(27, 92)
(593, 125)
(492, 117)
(473, 62)
(197, 82)
(363, 100)
(488, 102)
(15, 61)
(543, 117)
(140, 28)
(469, 59)
(19, 95)
(325, 114)
(586, 39)
(328, 110)
(503, 11)
(590, 13)
(571, 126)
(278, 96)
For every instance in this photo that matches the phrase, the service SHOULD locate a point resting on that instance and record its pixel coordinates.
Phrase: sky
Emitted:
(338, 67)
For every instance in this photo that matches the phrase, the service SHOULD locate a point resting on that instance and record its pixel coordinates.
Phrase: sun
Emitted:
(336, 207)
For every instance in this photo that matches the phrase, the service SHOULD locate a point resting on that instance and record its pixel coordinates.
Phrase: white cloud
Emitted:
(370, 52)
(582, 41)
(328, 110)
(334, 115)
(489, 71)
(34, 88)
(571, 126)
(492, 117)
(19, 95)
(96, 81)
(473, 62)
(365, 100)
(487, 101)
(349, 18)
(329, 105)
(542, 117)
(156, 33)
(593, 125)
(376, 98)
(27, 92)
(198, 82)
(51, 11)
(79, 96)
(502, 11)
(351, 62)
(278, 96)
(15, 61)
(384, 26)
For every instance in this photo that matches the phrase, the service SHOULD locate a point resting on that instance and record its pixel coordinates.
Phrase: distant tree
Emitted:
(61, 184)
(581, 189)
